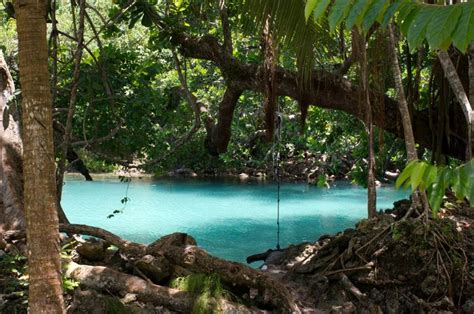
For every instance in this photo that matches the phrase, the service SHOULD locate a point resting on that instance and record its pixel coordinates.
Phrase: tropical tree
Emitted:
(45, 292)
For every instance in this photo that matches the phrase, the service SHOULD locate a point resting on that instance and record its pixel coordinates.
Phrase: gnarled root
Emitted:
(180, 250)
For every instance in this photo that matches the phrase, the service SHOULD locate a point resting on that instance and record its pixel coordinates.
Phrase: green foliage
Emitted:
(207, 288)
(97, 165)
(435, 180)
(69, 284)
(440, 25)
(14, 269)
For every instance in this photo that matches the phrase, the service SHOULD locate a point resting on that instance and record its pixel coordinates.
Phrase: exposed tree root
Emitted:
(108, 280)
(180, 250)
(126, 246)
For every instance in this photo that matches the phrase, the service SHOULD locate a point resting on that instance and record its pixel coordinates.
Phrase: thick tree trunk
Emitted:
(45, 292)
(326, 90)
(11, 172)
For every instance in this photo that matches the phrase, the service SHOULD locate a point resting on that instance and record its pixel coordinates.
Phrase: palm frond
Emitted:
(308, 40)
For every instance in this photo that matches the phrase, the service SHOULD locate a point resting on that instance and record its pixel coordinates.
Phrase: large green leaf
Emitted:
(469, 167)
(429, 177)
(357, 13)
(407, 15)
(390, 12)
(417, 174)
(417, 30)
(339, 11)
(406, 173)
(309, 7)
(405, 9)
(464, 32)
(442, 25)
(436, 197)
(320, 9)
(377, 9)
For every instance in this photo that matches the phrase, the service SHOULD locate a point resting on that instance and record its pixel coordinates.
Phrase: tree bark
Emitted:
(410, 143)
(218, 136)
(44, 267)
(126, 246)
(458, 90)
(402, 101)
(11, 171)
(471, 94)
(371, 187)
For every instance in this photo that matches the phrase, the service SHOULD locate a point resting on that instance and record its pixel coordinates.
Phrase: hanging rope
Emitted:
(276, 168)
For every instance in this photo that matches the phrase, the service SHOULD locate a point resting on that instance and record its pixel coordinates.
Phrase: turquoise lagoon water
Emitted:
(227, 218)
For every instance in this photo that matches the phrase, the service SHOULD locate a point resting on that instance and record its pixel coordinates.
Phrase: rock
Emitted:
(468, 307)
(92, 250)
(129, 298)
(243, 176)
(391, 175)
(184, 172)
(156, 268)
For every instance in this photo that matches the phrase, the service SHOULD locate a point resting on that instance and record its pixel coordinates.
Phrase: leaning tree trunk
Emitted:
(402, 101)
(11, 174)
(471, 92)
(45, 292)
(458, 90)
(410, 143)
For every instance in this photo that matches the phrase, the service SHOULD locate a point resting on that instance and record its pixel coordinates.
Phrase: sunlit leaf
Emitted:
(417, 174)
(406, 173)
(309, 7)
(464, 32)
(320, 9)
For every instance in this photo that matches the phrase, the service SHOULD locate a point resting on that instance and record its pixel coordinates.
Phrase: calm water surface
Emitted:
(228, 218)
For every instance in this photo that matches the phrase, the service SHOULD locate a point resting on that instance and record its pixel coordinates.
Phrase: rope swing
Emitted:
(276, 168)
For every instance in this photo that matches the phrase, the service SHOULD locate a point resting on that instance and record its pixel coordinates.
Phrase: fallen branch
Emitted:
(124, 245)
